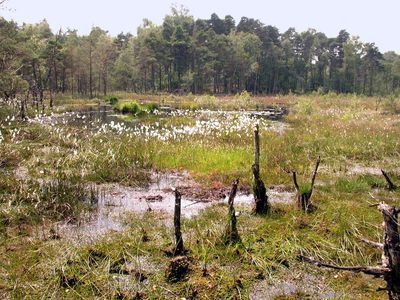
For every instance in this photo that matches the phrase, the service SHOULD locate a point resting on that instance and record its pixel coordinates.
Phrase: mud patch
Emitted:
(362, 170)
(296, 286)
(116, 201)
(21, 173)
(281, 194)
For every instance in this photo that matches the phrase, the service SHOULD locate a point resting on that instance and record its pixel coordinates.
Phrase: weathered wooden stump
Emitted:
(304, 195)
(391, 250)
(259, 190)
(179, 249)
(231, 235)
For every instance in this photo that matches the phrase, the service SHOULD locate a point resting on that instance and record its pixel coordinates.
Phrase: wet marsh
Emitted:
(112, 243)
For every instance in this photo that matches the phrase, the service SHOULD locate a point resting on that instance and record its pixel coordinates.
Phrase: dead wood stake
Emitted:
(231, 235)
(259, 190)
(179, 249)
(303, 198)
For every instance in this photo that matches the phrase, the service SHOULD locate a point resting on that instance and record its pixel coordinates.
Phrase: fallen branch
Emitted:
(376, 271)
(372, 243)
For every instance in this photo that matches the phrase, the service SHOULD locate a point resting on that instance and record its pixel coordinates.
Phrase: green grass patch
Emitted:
(360, 184)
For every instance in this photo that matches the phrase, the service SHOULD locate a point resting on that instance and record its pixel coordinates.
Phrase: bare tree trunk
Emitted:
(51, 98)
(259, 190)
(22, 111)
(90, 71)
(231, 235)
(179, 249)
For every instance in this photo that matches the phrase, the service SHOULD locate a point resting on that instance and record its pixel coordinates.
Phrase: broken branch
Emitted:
(376, 271)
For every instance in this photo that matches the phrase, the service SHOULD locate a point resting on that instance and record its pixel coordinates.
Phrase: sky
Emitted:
(372, 21)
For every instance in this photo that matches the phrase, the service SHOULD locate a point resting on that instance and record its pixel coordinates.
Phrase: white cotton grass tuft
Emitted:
(211, 124)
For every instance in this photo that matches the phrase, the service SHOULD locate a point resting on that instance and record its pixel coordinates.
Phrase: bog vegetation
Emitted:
(54, 164)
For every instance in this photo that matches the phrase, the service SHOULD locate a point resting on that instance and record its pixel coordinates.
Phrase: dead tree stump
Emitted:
(231, 235)
(391, 250)
(259, 190)
(177, 269)
(390, 185)
(179, 249)
(304, 195)
(390, 268)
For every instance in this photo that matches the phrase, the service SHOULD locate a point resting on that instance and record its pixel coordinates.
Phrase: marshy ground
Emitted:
(86, 196)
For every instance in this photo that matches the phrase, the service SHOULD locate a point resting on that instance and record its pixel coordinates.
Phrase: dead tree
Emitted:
(259, 190)
(179, 249)
(390, 185)
(231, 235)
(390, 268)
(304, 195)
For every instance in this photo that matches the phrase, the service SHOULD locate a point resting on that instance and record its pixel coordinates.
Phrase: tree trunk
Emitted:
(51, 98)
(90, 71)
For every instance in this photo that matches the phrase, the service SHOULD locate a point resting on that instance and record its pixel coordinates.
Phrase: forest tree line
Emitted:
(182, 54)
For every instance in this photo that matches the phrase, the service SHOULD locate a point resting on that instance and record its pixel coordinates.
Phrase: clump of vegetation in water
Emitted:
(112, 100)
(136, 109)
(131, 107)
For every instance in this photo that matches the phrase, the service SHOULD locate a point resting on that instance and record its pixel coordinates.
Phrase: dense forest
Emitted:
(186, 55)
